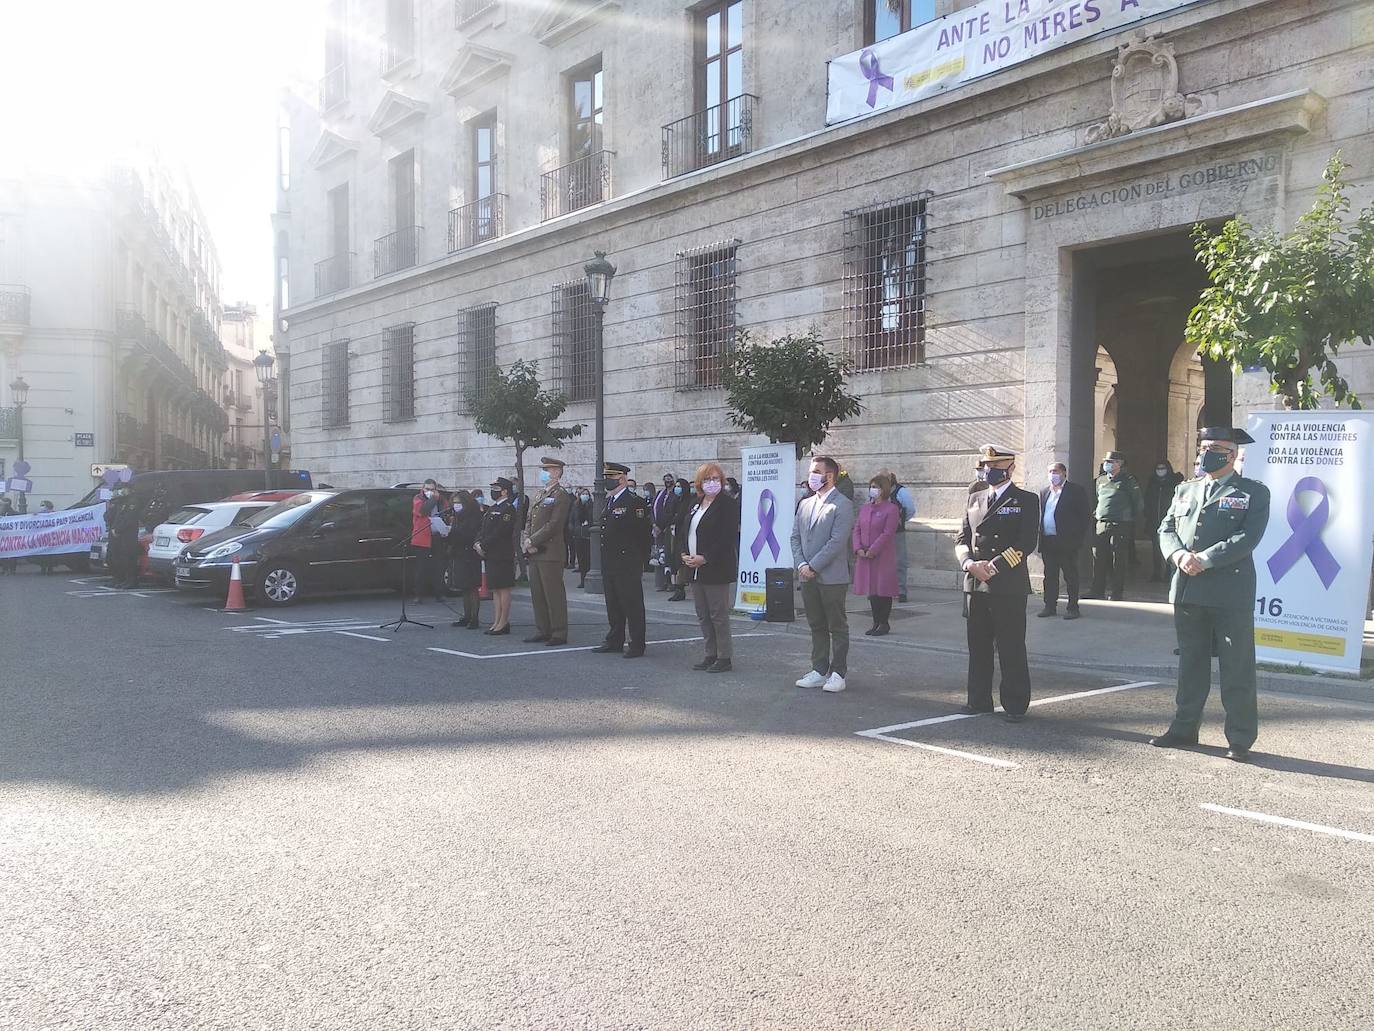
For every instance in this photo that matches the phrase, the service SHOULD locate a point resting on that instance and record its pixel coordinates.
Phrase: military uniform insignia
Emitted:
(1234, 501)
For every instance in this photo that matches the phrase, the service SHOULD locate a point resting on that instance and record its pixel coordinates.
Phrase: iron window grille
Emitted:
(398, 373)
(885, 283)
(574, 340)
(705, 318)
(476, 351)
(466, 10)
(335, 383)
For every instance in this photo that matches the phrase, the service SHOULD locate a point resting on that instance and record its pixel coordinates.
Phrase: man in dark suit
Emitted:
(1064, 517)
(1001, 526)
(625, 540)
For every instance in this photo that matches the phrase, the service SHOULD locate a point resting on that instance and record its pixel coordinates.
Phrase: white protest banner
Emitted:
(975, 41)
(1312, 567)
(768, 501)
(51, 533)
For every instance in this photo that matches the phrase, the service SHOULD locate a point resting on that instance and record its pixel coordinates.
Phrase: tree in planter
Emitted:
(1288, 303)
(790, 388)
(511, 406)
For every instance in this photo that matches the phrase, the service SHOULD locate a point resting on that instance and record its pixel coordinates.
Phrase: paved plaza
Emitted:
(293, 819)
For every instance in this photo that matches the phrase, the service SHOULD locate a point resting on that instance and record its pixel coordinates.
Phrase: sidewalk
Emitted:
(1131, 637)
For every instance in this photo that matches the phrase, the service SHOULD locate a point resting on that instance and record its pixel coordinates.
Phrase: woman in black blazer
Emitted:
(708, 554)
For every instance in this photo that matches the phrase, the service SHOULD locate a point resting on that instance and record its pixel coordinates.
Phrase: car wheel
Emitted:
(279, 585)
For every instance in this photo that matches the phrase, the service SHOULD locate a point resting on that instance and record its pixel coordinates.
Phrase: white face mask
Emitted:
(874, 492)
(815, 481)
(711, 487)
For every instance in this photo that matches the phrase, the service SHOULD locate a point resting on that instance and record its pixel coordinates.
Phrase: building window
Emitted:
(885, 283)
(400, 248)
(884, 19)
(574, 340)
(399, 44)
(335, 383)
(484, 156)
(705, 314)
(720, 76)
(586, 100)
(398, 373)
(332, 274)
(477, 350)
(334, 85)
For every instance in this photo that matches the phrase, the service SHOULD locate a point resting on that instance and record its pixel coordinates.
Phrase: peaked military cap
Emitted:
(994, 453)
(503, 483)
(615, 469)
(1114, 456)
(556, 463)
(1233, 434)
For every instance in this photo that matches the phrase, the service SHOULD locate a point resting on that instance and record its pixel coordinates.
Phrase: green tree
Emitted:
(511, 406)
(1287, 303)
(790, 388)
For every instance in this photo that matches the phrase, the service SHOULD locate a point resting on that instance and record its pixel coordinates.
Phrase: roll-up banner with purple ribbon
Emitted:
(947, 52)
(768, 499)
(1312, 567)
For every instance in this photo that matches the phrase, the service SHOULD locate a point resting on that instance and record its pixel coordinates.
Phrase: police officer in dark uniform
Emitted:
(1208, 538)
(625, 537)
(1001, 527)
(122, 520)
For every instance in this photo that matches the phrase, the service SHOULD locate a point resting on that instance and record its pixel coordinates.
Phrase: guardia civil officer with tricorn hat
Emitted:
(1208, 537)
(1001, 527)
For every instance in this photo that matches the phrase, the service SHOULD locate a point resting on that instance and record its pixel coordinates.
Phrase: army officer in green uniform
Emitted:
(1208, 537)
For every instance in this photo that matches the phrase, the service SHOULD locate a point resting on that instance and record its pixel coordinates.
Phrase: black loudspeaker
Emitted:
(780, 595)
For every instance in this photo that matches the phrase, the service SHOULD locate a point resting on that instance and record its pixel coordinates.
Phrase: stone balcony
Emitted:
(14, 309)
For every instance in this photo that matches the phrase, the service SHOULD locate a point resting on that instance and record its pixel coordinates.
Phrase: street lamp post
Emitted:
(599, 274)
(262, 366)
(20, 391)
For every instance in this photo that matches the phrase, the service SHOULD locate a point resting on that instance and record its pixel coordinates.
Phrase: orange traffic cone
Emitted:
(234, 603)
(483, 594)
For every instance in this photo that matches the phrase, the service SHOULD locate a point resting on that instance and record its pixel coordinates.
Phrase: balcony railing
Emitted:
(331, 274)
(578, 184)
(14, 305)
(9, 424)
(715, 134)
(396, 251)
(466, 10)
(334, 87)
(478, 222)
(396, 51)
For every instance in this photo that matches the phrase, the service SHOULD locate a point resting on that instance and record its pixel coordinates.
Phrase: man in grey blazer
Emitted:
(820, 551)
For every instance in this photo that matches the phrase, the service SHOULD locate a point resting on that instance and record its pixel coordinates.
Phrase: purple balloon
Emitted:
(111, 477)
(21, 469)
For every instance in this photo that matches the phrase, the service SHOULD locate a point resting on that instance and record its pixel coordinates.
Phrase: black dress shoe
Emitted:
(678, 595)
(476, 624)
(634, 653)
(459, 622)
(606, 646)
(901, 598)
(871, 630)
(1072, 614)
(1014, 717)
(969, 710)
(536, 639)
(720, 666)
(1044, 613)
(881, 630)
(1171, 740)
(1237, 754)
(705, 663)
(498, 633)
(554, 642)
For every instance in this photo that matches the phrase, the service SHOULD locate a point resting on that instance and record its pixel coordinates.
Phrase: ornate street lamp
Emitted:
(262, 367)
(599, 274)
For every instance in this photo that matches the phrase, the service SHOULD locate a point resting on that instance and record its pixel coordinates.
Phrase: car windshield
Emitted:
(186, 515)
(284, 513)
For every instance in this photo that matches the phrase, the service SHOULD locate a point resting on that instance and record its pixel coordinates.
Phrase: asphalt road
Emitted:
(214, 821)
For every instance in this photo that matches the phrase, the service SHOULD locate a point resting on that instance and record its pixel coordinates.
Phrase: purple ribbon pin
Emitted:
(868, 64)
(768, 511)
(1306, 536)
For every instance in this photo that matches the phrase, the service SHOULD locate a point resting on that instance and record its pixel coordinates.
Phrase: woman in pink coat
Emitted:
(875, 552)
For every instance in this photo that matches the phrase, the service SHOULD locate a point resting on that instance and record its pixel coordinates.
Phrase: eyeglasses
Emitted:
(1216, 449)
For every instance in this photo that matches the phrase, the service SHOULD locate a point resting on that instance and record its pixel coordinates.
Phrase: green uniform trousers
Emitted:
(1233, 630)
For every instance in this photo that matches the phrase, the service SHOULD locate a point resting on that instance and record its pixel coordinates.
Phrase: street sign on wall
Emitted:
(84, 439)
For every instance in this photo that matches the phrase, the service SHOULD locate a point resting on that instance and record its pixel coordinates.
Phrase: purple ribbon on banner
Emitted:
(868, 64)
(768, 511)
(1306, 536)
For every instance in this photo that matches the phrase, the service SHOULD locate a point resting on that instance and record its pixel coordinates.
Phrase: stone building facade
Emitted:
(110, 311)
(1003, 261)
(244, 335)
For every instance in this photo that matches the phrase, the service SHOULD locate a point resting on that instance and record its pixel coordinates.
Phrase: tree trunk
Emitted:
(520, 467)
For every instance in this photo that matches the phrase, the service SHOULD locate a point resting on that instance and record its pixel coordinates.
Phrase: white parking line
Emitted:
(1283, 821)
(1034, 702)
(560, 651)
(987, 759)
(364, 637)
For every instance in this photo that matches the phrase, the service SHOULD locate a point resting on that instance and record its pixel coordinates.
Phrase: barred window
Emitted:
(885, 283)
(574, 340)
(335, 383)
(477, 349)
(705, 314)
(398, 373)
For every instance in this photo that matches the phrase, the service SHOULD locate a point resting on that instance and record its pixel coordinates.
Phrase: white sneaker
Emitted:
(812, 679)
(835, 684)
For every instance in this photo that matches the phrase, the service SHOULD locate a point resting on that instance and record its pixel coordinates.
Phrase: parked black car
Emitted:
(316, 541)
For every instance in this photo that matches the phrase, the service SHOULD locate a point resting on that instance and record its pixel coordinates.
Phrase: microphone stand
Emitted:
(395, 625)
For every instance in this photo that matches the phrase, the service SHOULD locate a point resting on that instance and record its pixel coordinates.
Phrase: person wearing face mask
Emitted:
(710, 557)
(820, 552)
(664, 513)
(580, 528)
(1159, 494)
(1001, 527)
(466, 574)
(1120, 508)
(543, 543)
(683, 500)
(624, 547)
(428, 578)
(496, 545)
(1065, 514)
(1208, 536)
(875, 552)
